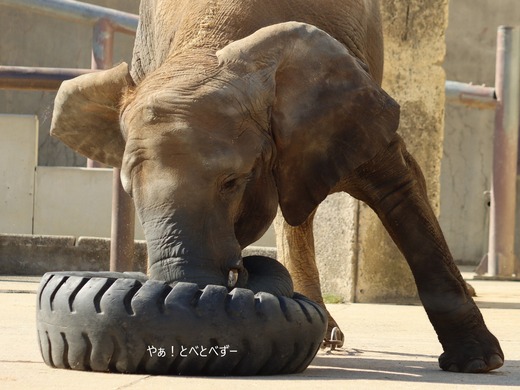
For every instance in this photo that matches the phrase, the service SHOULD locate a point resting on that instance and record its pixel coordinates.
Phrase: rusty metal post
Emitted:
(123, 225)
(501, 256)
(123, 213)
(102, 54)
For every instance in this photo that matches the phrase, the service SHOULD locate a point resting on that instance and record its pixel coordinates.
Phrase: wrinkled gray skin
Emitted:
(229, 111)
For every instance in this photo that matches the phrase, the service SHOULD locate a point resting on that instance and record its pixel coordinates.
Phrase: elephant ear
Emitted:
(86, 114)
(328, 116)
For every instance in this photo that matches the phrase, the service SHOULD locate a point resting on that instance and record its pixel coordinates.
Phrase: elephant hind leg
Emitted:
(393, 185)
(295, 247)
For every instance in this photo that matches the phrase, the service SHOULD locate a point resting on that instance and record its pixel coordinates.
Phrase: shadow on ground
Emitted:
(351, 365)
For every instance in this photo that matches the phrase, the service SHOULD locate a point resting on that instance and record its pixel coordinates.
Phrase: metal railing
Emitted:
(105, 23)
(40, 79)
(500, 261)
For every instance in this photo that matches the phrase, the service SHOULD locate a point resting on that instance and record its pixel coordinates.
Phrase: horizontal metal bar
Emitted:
(77, 11)
(20, 77)
(477, 96)
(41, 79)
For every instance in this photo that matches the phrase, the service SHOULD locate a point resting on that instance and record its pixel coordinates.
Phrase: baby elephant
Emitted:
(232, 109)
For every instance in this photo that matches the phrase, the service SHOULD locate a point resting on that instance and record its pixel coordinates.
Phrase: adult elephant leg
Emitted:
(393, 185)
(295, 248)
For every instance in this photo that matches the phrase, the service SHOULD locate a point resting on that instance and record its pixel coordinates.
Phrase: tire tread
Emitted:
(75, 292)
(87, 358)
(161, 299)
(55, 291)
(49, 349)
(99, 295)
(129, 296)
(65, 352)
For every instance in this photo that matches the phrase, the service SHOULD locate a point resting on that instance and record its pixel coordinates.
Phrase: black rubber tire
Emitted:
(112, 322)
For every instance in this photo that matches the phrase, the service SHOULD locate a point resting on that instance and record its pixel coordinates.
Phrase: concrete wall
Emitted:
(416, 81)
(468, 146)
(336, 243)
(37, 254)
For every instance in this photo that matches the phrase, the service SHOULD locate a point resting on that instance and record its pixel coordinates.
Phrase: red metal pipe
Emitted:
(102, 54)
(102, 44)
(123, 225)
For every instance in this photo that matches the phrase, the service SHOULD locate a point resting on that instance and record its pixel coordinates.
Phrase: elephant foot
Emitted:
(477, 352)
(468, 344)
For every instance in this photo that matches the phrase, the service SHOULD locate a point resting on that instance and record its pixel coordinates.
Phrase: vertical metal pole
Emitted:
(123, 213)
(102, 54)
(123, 224)
(501, 258)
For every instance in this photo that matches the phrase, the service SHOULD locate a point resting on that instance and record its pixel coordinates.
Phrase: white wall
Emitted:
(49, 200)
(74, 201)
(18, 157)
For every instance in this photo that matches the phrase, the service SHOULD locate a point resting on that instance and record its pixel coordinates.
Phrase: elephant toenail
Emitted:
(232, 277)
(476, 365)
(453, 368)
(495, 361)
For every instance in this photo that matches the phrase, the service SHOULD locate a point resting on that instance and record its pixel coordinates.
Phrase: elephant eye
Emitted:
(230, 184)
(233, 182)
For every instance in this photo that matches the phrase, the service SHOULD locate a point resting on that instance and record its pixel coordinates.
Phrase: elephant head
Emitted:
(209, 144)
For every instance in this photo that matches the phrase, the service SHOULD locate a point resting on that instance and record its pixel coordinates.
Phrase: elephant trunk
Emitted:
(182, 252)
(177, 252)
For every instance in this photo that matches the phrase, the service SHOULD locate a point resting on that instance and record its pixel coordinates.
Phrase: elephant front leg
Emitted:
(393, 185)
(295, 248)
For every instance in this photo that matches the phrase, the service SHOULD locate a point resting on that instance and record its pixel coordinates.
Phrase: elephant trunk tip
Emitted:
(174, 270)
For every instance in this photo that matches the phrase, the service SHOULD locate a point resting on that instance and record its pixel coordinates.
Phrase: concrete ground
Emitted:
(387, 346)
